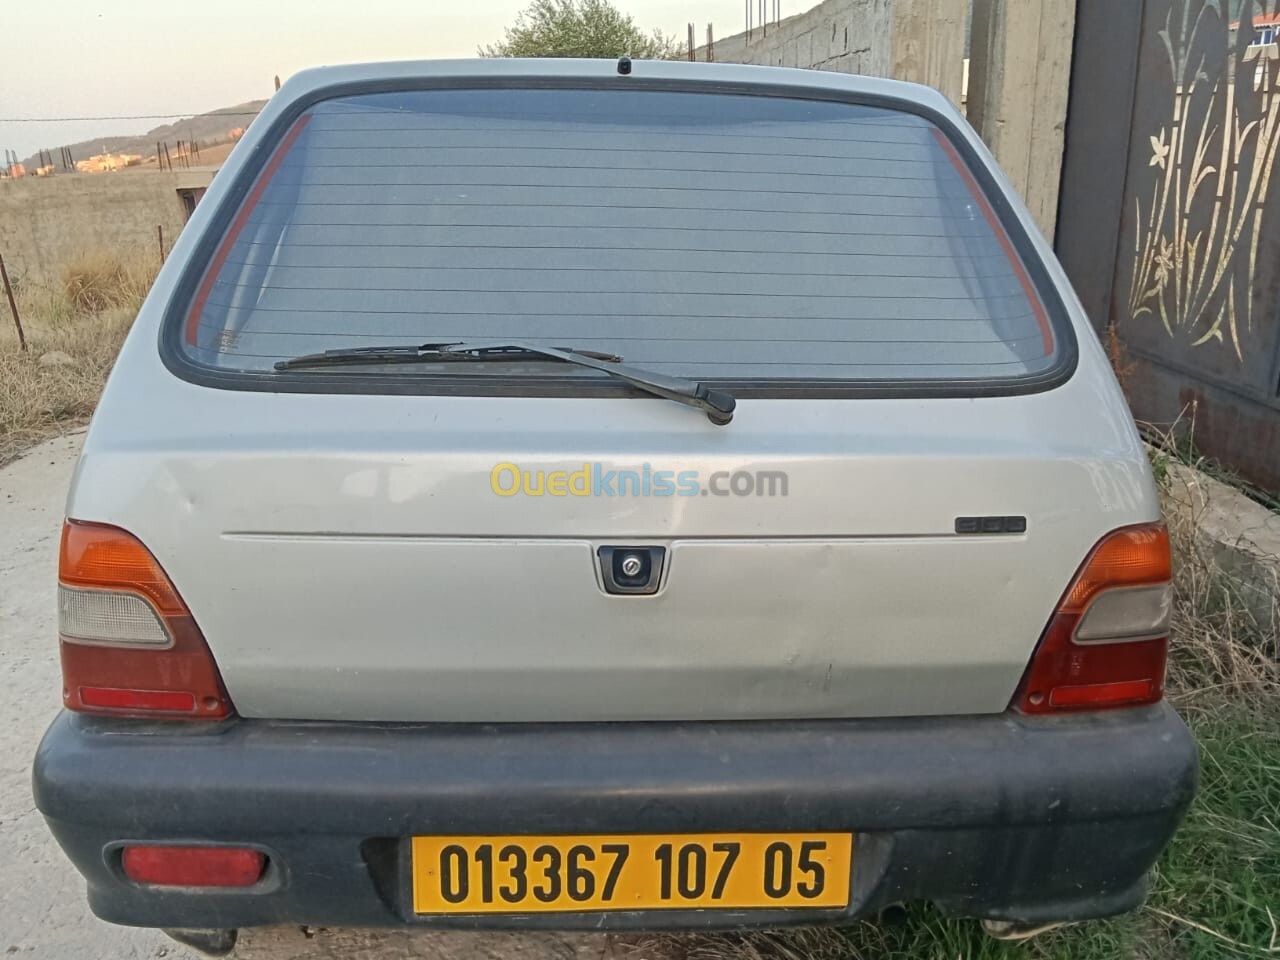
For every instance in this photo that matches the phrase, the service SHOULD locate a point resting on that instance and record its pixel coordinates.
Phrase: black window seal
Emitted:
(350, 381)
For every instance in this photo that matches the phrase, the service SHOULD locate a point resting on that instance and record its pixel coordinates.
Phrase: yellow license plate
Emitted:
(686, 871)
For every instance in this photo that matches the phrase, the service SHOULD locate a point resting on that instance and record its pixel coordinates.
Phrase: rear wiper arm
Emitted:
(717, 404)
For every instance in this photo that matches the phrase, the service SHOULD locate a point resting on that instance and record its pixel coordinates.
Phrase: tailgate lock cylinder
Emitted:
(636, 571)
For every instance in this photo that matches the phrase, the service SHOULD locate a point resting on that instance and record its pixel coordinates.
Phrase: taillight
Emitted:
(1107, 643)
(130, 646)
(193, 866)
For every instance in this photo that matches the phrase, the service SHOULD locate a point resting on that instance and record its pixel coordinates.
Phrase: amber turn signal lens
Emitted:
(1130, 557)
(96, 555)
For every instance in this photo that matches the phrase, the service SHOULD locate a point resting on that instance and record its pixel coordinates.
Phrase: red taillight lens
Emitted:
(193, 866)
(130, 646)
(1107, 643)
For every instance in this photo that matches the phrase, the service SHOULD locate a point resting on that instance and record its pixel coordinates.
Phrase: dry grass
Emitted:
(86, 318)
(1226, 628)
(96, 282)
(1226, 636)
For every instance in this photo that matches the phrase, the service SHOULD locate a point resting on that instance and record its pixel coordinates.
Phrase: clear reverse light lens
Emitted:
(1127, 613)
(109, 618)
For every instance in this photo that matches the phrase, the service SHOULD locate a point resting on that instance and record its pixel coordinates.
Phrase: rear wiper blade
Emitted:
(717, 404)
(433, 353)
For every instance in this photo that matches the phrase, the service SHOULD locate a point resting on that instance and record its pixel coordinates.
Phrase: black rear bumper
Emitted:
(1025, 819)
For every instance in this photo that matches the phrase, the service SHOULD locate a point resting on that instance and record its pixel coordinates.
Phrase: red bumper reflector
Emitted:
(193, 866)
(158, 700)
(1102, 694)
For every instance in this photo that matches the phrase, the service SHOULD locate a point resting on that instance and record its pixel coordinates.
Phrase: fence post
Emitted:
(160, 240)
(13, 307)
(1019, 81)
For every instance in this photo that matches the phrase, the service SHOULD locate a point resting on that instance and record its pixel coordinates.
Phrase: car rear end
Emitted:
(516, 644)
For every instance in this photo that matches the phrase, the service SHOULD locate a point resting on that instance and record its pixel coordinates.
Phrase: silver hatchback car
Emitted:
(607, 495)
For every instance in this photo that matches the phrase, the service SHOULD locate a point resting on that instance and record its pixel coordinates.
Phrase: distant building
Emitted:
(1264, 46)
(108, 162)
(1266, 29)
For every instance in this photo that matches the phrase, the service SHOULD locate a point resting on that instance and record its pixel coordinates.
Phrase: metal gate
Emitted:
(1169, 221)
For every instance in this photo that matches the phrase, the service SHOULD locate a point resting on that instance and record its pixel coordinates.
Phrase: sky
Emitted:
(93, 58)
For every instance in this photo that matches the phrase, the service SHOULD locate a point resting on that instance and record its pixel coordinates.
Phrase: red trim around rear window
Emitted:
(237, 225)
(1028, 288)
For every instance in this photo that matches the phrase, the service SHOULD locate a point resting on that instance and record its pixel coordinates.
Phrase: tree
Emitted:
(580, 28)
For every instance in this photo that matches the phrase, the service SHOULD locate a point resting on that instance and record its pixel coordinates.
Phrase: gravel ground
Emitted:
(42, 907)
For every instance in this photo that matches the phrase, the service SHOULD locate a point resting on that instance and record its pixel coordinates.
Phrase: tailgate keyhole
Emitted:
(631, 570)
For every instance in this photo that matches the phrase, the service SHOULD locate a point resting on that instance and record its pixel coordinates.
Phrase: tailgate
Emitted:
(348, 558)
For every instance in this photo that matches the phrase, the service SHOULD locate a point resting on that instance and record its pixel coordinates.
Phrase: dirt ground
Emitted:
(43, 915)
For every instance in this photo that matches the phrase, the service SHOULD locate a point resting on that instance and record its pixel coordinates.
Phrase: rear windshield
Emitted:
(708, 235)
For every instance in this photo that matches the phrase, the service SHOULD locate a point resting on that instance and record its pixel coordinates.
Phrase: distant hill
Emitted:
(206, 128)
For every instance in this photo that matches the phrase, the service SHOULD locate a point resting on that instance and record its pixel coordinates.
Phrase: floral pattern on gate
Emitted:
(1196, 244)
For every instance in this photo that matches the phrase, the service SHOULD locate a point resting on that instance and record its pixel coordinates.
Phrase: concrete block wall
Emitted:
(846, 36)
(47, 221)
